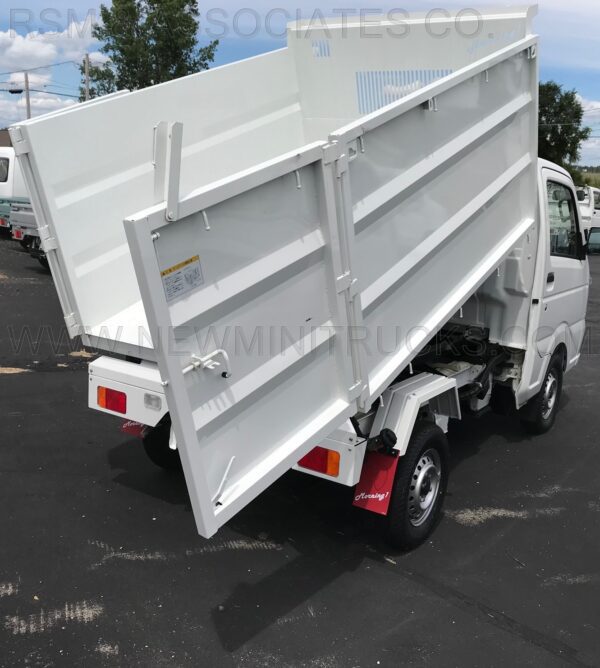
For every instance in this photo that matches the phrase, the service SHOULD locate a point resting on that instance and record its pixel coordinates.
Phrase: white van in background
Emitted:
(12, 185)
(589, 206)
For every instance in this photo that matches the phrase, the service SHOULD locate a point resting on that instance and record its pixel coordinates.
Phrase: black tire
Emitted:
(25, 243)
(156, 445)
(539, 413)
(406, 530)
(44, 262)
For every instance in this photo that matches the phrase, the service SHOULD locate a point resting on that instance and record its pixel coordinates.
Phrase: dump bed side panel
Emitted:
(438, 196)
(91, 166)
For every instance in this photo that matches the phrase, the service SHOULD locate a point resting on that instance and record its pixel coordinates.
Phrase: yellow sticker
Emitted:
(182, 278)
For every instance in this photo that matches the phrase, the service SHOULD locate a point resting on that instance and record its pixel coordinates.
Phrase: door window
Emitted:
(4, 170)
(564, 234)
(597, 199)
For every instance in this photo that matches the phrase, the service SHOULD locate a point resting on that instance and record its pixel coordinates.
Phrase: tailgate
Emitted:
(249, 306)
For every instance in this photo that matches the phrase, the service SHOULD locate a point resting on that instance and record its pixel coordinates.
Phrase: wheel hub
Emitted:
(549, 396)
(424, 488)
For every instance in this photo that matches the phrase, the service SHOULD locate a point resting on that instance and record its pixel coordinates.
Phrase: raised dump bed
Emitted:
(308, 219)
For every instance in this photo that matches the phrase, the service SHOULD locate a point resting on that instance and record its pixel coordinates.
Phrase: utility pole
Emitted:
(86, 64)
(27, 96)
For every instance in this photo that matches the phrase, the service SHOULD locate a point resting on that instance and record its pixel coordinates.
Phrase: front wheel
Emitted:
(539, 414)
(419, 487)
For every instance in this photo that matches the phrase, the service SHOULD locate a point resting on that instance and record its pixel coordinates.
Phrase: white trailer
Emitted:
(316, 257)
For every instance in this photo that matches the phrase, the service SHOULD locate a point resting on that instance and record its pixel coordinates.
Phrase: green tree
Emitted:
(561, 130)
(147, 42)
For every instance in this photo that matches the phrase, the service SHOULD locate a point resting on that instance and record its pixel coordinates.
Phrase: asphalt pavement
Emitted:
(100, 563)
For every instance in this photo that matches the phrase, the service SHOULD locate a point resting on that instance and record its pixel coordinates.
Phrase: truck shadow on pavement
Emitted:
(316, 520)
(134, 471)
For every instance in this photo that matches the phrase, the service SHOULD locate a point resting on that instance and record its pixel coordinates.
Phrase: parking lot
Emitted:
(100, 563)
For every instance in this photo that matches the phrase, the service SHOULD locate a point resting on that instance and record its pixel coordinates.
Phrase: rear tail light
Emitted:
(322, 460)
(112, 400)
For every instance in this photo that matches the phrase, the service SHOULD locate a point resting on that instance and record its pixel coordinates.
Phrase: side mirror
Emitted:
(580, 195)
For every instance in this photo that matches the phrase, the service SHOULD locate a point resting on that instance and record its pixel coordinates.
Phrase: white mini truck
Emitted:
(12, 185)
(316, 258)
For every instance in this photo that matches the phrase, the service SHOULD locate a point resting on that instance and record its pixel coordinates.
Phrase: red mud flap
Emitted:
(136, 429)
(17, 235)
(374, 489)
(4, 222)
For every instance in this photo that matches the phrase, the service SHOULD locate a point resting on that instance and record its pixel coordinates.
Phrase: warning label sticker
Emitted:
(182, 278)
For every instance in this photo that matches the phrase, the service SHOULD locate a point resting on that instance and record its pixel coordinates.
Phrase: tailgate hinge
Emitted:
(74, 328)
(48, 241)
(341, 165)
(346, 282)
(20, 144)
(331, 152)
(334, 153)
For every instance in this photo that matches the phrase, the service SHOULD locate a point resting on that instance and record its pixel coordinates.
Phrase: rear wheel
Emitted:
(44, 262)
(156, 445)
(419, 487)
(539, 414)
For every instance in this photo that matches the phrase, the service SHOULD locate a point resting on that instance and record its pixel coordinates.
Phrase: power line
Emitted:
(36, 90)
(41, 67)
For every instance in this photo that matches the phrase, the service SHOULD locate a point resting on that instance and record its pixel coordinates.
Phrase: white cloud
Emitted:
(590, 150)
(13, 111)
(41, 50)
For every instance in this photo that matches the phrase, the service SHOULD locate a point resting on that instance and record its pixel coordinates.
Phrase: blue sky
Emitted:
(47, 33)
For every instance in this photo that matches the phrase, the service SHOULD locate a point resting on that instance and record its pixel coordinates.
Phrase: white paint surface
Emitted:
(472, 517)
(82, 612)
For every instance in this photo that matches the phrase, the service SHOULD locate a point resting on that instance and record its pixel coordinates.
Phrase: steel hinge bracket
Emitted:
(19, 143)
(344, 282)
(331, 152)
(341, 165)
(431, 105)
(48, 242)
(73, 326)
(356, 390)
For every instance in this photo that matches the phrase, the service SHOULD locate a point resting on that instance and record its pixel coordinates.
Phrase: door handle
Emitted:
(550, 278)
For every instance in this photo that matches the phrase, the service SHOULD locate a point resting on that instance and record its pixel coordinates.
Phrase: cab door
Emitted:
(567, 274)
